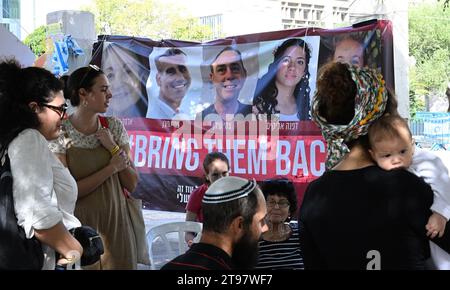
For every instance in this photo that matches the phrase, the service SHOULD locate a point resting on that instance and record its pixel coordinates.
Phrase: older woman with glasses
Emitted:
(279, 247)
(32, 107)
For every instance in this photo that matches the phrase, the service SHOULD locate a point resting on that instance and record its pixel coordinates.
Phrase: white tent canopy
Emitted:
(11, 46)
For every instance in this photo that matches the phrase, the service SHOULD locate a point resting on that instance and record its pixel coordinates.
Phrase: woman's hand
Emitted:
(71, 257)
(120, 161)
(106, 139)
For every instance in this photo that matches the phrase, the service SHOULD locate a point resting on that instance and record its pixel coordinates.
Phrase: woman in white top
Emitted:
(32, 107)
(284, 89)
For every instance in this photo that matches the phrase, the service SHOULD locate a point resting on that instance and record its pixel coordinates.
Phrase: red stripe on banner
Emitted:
(252, 154)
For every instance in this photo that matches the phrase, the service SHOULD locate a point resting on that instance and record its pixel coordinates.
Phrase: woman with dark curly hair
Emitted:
(279, 246)
(284, 89)
(32, 109)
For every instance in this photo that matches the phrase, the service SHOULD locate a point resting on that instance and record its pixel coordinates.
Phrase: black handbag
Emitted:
(16, 251)
(91, 242)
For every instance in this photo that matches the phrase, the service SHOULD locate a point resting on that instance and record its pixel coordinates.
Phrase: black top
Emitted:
(201, 257)
(346, 214)
(242, 109)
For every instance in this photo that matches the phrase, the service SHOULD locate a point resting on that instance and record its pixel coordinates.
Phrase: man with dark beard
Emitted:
(234, 213)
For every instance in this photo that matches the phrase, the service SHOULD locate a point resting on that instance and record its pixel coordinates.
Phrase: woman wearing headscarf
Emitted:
(358, 216)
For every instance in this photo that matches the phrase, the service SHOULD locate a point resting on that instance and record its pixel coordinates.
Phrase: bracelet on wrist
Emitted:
(114, 150)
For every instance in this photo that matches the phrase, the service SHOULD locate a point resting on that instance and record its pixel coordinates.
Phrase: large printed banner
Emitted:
(246, 96)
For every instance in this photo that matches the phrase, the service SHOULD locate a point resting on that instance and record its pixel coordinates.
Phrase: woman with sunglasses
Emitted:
(279, 246)
(32, 107)
(98, 156)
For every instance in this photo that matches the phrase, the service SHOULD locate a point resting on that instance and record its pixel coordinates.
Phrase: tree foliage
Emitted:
(146, 18)
(37, 40)
(429, 44)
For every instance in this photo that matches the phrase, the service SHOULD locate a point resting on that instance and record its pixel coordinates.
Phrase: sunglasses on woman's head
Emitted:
(91, 67)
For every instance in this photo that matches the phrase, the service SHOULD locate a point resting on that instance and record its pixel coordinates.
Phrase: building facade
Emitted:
(10, 16)
(233, 17)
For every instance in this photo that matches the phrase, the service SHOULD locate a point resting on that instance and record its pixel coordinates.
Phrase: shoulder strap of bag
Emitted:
(103, 121)
(16, 251)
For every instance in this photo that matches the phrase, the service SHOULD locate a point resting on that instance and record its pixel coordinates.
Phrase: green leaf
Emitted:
(37, 40)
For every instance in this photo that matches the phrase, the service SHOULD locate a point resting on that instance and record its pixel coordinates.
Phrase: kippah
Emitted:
(228, 188)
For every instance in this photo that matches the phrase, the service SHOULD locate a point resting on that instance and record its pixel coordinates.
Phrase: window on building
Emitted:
(6, 25)
(215, 23)
(318, 15)
(306, 13)
(293, 10)
(11, 9)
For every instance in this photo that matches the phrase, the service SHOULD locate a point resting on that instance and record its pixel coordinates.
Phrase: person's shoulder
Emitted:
(245, 108)
(114, 123)
(367, 176)
(113, 120)
(392, 177)
(406, 182)
(208, 110)
(421, 155)
(28, 137)
(186, 261)
(400, 175)
(209, 114)
(31, 133)
(201, 189)
(27, 143)
(155, 111)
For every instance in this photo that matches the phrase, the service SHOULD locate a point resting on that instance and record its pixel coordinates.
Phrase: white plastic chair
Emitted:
(161, 232)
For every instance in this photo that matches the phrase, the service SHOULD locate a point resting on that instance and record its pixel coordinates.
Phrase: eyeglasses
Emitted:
(281, 204)
(61, 110)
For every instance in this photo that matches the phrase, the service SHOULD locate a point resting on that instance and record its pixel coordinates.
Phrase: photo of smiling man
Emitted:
(227, 75)
(173, 79)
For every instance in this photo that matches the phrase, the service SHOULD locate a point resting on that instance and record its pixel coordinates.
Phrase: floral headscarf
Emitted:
(370, 103)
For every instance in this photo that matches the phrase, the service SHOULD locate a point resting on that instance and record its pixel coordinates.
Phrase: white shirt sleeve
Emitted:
(35, 201)
(431, 168)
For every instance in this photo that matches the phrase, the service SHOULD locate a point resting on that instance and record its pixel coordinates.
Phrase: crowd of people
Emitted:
(379, 195)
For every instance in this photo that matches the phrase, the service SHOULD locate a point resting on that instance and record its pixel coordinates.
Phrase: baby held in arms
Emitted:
(392, 147)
